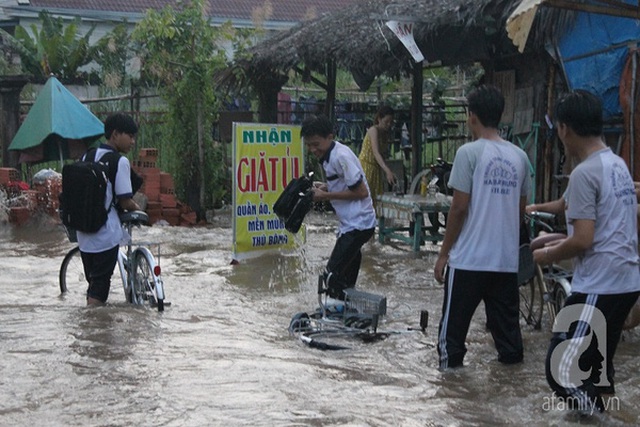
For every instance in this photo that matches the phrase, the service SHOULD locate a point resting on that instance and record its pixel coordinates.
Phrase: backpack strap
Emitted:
(111, 159)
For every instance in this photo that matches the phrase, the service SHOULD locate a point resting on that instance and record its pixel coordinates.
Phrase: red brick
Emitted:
(9, 174)
(166, 183)
(189, 218)
(149, 154)
(168, 201)
(19, 215)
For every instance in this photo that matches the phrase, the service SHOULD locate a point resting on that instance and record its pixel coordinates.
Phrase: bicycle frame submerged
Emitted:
(140, 272)
(127, 262)
(141, 279)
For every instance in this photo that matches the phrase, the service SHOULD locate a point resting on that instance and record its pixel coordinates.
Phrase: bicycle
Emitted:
(143, 287)
(552, 281)
(334, 322)
(547, 285)
(440, 170)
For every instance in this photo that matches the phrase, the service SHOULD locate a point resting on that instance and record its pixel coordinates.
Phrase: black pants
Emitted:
(98, 269)
(575, 363)
(344, 263)
(463, 292)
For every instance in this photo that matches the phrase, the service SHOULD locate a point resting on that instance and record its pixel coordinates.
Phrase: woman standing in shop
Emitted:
(375, 148)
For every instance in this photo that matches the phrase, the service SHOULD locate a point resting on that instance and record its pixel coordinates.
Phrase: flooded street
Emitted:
(220, 354)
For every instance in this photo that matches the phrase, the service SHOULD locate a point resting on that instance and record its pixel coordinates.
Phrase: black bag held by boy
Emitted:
(84, 188)
(300, 210)
(294, 203)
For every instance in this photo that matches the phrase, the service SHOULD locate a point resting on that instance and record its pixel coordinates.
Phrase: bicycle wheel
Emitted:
(72, 271)
(444, 189)
(147, 286)
(560, 296)
(437, 220)
(531, 300)
(414, 188)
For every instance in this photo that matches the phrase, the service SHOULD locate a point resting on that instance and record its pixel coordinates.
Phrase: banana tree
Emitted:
(52, 48)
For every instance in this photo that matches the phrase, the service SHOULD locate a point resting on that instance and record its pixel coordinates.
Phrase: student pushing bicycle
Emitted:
(99, 246)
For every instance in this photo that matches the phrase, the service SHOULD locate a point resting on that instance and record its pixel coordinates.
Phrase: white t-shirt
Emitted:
(496, 175)
(343, 171)
(111, 234)
(601, 189)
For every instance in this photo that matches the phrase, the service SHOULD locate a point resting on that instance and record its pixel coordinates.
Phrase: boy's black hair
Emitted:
(581, 111)
(317, 125)
(487, 103)
(120, 122)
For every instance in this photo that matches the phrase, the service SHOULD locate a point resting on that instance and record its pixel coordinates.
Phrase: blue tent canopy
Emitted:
(57, 127)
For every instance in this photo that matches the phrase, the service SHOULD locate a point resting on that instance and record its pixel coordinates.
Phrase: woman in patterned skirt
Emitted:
(375, 148)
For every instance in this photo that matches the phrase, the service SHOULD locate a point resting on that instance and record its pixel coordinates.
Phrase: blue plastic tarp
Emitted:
(594, 52)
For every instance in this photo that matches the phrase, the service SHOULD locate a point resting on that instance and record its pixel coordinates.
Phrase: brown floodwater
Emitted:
(221, 355)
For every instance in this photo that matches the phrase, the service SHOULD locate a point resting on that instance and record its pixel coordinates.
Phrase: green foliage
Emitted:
(111, 53)
(7, 67)
(54, 49)
(219, 172)
(180, 54)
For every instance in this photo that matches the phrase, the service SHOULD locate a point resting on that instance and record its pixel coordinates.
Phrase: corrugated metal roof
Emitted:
(281, 10)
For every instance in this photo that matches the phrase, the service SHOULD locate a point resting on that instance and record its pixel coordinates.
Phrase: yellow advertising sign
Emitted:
(265, 158)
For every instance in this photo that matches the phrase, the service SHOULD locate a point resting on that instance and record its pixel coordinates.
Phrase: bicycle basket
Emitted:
(526, 265)
(364, 302)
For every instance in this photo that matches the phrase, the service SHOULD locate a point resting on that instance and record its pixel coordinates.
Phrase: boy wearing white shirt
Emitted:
(99, 250)
(348, 191)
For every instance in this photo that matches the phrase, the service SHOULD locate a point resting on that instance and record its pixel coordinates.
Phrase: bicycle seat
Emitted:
(134, 218)
(542, 240)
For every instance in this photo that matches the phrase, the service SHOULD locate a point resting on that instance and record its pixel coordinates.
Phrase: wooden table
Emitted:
(410, 209)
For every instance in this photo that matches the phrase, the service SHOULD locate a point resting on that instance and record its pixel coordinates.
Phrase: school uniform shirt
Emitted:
(496, 175)
(343, 171)
(111, 234)
(601, 189)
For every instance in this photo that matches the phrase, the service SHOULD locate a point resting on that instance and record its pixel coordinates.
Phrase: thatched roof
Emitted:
(240, 12)
(448, 31)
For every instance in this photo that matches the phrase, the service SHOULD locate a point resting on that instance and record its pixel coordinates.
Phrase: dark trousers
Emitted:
(344, 263)
(575, 363)
(98, 269)
(463, 292)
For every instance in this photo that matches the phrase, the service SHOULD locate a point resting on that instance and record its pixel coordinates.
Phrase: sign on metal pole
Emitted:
(265, 158)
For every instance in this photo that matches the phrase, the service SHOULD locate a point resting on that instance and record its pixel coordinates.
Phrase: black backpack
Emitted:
(84, 188)
(294, 203)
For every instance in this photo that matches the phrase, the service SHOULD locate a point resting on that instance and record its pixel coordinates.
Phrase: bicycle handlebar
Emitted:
(543, 216)
(543, 219)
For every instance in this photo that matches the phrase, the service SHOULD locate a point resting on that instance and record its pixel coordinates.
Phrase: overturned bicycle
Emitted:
(335, 323)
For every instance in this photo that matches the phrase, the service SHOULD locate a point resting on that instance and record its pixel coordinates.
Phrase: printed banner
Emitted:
(265, 158)
(404, 31)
